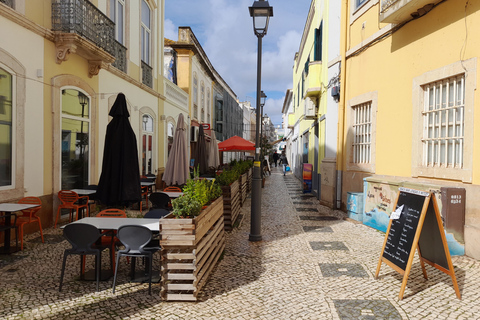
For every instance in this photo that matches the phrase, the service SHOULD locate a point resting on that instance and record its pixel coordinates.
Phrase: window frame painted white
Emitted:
(420, 168)
(370, 99)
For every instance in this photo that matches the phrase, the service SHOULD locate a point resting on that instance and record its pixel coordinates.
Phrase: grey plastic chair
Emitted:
(135, 239)
(83, 239)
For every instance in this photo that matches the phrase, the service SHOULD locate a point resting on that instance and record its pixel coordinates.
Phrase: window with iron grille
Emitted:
(362, 132)
(444, 122)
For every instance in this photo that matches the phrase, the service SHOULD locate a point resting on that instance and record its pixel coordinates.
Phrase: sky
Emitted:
(224, 29)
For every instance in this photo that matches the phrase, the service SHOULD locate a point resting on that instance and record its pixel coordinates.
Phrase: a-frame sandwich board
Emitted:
(419, 227)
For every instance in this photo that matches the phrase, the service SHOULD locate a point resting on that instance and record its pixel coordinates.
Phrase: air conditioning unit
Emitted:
(194, 134)
(310, 108)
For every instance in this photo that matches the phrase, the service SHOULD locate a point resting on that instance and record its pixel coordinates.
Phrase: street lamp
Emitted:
(261, 12)
(83, 100)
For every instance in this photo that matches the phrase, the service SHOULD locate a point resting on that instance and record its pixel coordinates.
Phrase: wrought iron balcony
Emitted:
(81, 28)
(8, 3)
(147, 78)
(120, 57)
(83, 18)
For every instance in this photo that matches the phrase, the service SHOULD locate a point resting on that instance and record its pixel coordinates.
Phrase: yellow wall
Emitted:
(390, 65)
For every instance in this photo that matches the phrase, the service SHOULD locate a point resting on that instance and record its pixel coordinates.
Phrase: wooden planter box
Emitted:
(243, 180)
(190, 250)
(231, 204)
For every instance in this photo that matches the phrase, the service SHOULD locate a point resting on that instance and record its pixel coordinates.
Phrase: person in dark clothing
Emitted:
(275, 158)
(284, 162)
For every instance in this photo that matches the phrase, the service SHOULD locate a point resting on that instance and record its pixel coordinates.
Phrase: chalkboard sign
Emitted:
(402, 230)
(416, 224)
(431, 253)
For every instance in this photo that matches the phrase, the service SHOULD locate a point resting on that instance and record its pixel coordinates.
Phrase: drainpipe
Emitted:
(341, 104)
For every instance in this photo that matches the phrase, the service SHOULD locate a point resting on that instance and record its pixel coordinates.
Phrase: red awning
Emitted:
(236, 143)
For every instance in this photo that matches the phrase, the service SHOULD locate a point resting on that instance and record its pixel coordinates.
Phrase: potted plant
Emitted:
(192, 240)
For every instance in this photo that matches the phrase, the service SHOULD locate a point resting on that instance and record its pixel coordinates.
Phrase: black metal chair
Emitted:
(135, 239)
(4, 226)
(159, 200)
(83, 238)
(156, 213)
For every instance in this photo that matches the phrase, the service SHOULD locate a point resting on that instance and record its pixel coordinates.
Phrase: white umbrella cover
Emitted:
(176, 170)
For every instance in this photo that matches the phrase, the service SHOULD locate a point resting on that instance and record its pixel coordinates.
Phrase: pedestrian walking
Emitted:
(275, 158)
(284, 162)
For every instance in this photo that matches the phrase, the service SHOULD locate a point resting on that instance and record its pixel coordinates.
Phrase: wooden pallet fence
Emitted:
(249, 180)
(243, 187)
(190, 250)
(231, 204)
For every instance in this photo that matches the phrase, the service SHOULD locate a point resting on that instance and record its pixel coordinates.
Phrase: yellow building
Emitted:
(313, 114)
(409, 105)
(62, 64)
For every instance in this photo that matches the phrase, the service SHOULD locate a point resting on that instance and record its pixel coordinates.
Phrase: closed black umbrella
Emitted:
(201, 152)
(119, 183)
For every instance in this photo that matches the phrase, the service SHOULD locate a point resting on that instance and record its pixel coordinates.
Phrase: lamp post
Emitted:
(261, 12)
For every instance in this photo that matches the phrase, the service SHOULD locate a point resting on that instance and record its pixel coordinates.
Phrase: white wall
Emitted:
(30, 53)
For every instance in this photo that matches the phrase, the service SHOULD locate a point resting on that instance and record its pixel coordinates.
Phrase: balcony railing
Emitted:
(83, 18)
(147, 78)
(120, 54)
(8, 3)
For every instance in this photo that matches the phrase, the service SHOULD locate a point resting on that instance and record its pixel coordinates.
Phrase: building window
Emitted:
(443, 122)
(359, 3)
(208, 105)
(443, 118)
(318, 43)
(147, 144)
(146, 32)
(195, 96)
(117, 14)
(361, 138)
(362, 132)
(75, 143)
(202, 101)
(7, 113)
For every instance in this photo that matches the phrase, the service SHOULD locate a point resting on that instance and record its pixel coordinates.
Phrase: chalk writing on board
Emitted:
(402, 230)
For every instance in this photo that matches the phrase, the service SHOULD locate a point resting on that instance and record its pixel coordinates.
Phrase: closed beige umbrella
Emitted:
(213, 155)
(176, 170)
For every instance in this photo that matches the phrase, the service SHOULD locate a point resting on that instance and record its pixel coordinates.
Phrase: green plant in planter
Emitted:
(227, 177)
(186, 206)
(213, 190)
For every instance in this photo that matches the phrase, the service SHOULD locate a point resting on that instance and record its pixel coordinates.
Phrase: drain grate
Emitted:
(307, 209)
(317, 229)
(302, 197)
(318, 218)
(366, 309)
(328, 245)
(302, 202)
(343, 269)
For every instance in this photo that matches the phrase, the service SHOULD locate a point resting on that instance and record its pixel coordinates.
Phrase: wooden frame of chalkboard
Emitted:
(418, 228)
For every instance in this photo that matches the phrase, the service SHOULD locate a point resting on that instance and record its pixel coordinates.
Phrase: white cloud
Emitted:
(170, 30)
(225, 31)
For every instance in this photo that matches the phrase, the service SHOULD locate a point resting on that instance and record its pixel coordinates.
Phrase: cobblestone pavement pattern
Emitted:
(304, 268)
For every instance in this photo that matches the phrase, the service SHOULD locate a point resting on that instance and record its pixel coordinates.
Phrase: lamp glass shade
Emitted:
(82, 99)
(261, 13)
(263, 98)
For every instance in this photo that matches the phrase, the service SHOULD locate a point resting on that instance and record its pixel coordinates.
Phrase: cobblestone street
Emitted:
(311, 264)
